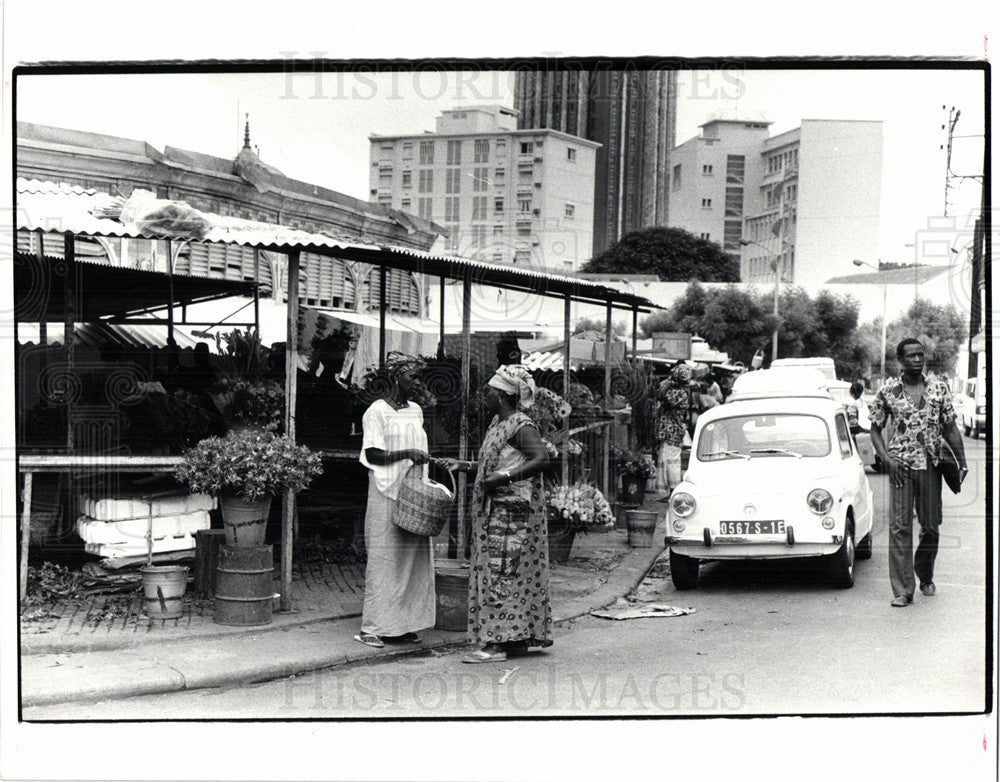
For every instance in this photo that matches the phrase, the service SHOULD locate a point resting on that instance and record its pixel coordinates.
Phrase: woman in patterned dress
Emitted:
(509, 609)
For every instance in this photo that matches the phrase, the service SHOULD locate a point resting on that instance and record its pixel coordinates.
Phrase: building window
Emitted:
(571, 154)
(451, 213)
(501, 146)
(479, 236)
(385, 179)
(405, 204)
(481, 151)
(498, 230)
(524, 176)
(706, 169)
(425, 182)
(480, 179)
(454, 153)
(524, 205)
(425, 208)
(524, 231)
(451, 243)
(453, 180)
(570, 210)
(407, 178)
(706, 203)
(407, 150)
(386, 150)
(522, 257)
(706, 237)
(498, 206)
(479, 208)
(499, 176)
(734, 202)
(385, 198)
(527, 147)
(426, 153)
(677, 176)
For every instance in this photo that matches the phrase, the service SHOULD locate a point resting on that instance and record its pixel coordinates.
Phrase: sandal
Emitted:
(369, 639)
(405, 638)
(482, 656)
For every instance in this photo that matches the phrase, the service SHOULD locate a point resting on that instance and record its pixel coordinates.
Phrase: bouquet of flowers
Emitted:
(581, 505)
(634, 463)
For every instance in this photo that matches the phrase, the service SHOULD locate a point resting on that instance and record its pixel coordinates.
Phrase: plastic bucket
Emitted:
(164, 587)
(451, 585)
(245, 522)
(244, 585)
(641, 524)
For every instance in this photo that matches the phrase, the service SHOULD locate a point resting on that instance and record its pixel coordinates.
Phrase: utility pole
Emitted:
(953, 115)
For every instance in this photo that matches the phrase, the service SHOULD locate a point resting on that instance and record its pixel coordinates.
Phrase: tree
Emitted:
(941, 330)
(590, 325)
(673, 254)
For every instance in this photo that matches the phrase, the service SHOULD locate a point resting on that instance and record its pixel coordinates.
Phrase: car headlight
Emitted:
(819, 501)
(682, 504)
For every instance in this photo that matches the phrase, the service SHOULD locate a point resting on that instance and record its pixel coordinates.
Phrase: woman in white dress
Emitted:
(399, 575)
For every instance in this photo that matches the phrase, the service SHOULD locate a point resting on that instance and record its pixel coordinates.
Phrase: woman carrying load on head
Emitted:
(509, 609)
(399, 574)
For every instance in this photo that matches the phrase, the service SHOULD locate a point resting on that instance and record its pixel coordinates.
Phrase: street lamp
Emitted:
(777, 281)
(885, 289)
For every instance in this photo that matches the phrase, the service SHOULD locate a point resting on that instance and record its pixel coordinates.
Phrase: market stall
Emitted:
(176, 224)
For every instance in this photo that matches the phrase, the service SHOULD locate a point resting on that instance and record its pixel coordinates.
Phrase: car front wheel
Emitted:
(864, 549)
(683, 571)
(842, 563)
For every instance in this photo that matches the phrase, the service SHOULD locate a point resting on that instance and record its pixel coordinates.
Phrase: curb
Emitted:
(163, 678)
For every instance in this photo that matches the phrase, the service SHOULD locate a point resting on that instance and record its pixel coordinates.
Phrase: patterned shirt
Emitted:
(914, 432)
(674, 413)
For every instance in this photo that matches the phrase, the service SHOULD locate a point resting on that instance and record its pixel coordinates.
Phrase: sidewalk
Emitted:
(90, 657)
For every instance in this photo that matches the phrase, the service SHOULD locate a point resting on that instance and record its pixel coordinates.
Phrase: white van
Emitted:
(970, 407)
(823, 364)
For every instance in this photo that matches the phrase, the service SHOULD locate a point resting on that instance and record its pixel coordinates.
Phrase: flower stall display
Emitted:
(245, 470)
(635, 468)
(253, 403)
(572, 508)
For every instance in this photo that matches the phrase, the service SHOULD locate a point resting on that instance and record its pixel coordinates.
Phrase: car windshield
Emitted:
(785, 435)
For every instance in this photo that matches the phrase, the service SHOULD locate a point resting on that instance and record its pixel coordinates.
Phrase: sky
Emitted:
(316, 127)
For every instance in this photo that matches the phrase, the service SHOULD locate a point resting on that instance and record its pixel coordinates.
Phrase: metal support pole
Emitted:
(885, 290)
(381, 315)
(25, 537)
(606, 450)
(566, 354)
(463, 428)
(70, 294)
(774, 337)
(635, 331)
(291, 377)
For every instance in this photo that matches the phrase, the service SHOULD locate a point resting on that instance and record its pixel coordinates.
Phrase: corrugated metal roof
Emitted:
(55, 207)
(914, 275)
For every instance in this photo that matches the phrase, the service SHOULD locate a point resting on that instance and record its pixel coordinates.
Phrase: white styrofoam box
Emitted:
(119, 550)
(122, 508)
(133, 531)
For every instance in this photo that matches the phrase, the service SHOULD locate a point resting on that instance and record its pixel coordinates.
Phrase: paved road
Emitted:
(764, 639)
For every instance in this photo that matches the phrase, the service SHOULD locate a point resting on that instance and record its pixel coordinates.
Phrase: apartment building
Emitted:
(632, 114)
(805, 203)
(509, 196)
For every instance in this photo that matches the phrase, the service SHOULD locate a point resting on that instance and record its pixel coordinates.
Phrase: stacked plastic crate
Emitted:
(116, 527)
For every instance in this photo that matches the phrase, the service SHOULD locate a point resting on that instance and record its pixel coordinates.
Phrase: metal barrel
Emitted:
(244, 585)
(641, 526)
(451, 585)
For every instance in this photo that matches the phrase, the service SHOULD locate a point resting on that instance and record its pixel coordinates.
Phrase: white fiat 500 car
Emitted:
(773, 474)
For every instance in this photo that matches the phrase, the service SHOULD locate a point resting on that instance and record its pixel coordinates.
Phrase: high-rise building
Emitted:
(509, 196)
(632, 115)
(804, 202)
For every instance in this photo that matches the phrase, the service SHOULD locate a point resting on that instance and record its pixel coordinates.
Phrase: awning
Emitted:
(58, 208)
(99, 290)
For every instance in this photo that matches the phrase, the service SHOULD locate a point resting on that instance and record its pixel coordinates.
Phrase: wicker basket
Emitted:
(422, 508)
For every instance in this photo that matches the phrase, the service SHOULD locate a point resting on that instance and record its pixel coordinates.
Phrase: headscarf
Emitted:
(680, 375)
(396, 363)
(514, 379)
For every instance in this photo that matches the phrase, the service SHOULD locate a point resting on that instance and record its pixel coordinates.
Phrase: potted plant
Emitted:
(572, 508)
(253, 403)
(635, 468)
(245, 470)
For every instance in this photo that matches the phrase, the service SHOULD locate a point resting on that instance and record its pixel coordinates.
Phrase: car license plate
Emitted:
(762, 527)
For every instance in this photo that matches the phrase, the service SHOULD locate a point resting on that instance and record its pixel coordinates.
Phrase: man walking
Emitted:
(914, 412)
